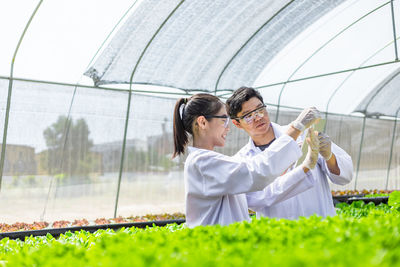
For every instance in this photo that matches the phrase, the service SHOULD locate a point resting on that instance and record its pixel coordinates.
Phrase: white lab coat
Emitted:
(215, 183)
(315, 200)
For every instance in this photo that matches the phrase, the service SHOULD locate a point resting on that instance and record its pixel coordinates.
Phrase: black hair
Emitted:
(195, 106)
(236, 100)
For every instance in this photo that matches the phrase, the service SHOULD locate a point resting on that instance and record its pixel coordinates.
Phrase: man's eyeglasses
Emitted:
(226, 117)
(250, 116)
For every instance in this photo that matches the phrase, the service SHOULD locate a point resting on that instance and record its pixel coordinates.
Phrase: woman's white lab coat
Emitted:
(215, 184)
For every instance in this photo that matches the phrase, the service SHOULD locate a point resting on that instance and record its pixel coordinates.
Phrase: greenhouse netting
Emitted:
(88, 90)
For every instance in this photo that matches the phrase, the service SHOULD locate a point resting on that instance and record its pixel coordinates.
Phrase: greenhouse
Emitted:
(88, 90)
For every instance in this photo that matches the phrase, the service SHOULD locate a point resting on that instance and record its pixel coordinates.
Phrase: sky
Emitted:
(62, 38)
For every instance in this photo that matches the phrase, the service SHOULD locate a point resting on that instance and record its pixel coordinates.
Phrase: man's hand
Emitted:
(313, 148)
(307, 117)
(325, 146)
(325, 149)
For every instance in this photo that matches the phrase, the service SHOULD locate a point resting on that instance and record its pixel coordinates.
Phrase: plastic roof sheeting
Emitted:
(61, 40)
(356, 38)
(203, 45)
(206, 45)
(384, 99)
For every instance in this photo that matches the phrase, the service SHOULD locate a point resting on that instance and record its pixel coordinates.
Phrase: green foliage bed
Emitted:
(361, 235)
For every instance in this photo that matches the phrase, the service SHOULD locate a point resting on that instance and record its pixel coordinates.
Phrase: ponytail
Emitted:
(180, 135)
(185, 113)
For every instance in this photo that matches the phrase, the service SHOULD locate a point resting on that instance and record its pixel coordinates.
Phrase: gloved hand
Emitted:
(307, 117)
(325, 145)
(313, 148)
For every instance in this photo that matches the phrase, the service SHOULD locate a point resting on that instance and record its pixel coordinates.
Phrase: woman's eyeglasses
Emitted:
(226, 117)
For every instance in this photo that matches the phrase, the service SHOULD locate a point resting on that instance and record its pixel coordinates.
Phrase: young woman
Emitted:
(214, 183)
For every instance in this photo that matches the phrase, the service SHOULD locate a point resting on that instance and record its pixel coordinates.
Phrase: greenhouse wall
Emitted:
(64, 146)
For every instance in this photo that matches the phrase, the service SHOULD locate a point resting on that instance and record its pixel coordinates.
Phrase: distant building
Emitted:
(162, 143)
(111, 152)
(19, 160)
(45, 163)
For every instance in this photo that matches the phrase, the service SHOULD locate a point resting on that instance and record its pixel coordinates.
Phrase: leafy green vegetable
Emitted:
(394, 199)
(361, 235)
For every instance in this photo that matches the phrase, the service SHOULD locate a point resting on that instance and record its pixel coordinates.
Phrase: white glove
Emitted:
(307, 117)
(325, 145)
(313, 148)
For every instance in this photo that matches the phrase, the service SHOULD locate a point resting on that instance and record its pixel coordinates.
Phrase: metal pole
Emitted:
(10, 84)
(359, 153)
(394, 30)
(365, 115)
(129, 105)
(391, 150)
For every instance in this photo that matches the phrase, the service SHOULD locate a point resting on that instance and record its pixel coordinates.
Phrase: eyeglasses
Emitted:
(226, 117)
(250, 116)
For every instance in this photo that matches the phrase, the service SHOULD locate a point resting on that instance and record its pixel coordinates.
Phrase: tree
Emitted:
(68, 146)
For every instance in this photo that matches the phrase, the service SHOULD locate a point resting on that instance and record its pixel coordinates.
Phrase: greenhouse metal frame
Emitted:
(389, 118)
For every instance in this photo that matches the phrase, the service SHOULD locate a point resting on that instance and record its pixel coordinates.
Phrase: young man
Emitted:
(248, 112)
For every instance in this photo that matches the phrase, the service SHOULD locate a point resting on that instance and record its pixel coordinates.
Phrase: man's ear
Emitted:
(237, 124)
(201, 122)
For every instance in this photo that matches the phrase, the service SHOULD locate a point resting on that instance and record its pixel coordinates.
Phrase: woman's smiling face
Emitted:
(217, 132)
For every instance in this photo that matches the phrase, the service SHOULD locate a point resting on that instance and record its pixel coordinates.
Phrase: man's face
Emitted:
(256, 121)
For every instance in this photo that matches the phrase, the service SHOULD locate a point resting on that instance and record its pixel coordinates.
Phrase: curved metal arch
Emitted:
(98, 88)
(68, 121)
(364, 121)
(129, 103)
(110, 33)
(299, 109)
(224, 93)
(10, 84)
(186, 91)
(347, 78)
(227, 92)
(245, 44)
(327, 74)
(320, 48)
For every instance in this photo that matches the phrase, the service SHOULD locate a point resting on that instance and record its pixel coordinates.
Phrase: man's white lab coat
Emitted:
(315, 200)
